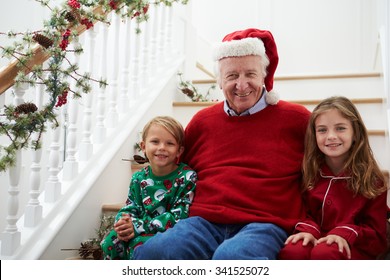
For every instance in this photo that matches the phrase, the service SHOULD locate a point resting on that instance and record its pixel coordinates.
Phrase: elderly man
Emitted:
(247, 151)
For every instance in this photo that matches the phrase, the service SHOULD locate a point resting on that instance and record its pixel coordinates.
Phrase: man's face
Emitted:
(241, 80)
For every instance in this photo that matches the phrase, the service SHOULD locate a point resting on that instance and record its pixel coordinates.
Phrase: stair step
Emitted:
(136, 166)
(354, 85)
(112, 207)
(115, 207)
(195, 106)
(302, 102)
(304, 77)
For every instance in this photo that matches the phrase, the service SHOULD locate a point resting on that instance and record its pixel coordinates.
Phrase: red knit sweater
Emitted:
(249, 167)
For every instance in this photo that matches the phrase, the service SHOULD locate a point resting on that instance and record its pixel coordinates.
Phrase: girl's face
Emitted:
(334, 134)
(241, 80)
(162, 150)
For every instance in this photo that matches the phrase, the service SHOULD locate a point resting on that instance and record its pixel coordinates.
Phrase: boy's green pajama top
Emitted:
(154, 205)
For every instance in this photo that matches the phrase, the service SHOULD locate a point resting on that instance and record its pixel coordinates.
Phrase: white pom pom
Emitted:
(272, 97)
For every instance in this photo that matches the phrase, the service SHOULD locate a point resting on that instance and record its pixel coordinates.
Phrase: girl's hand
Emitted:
(341, 243)
(304, 236)
(124, 228)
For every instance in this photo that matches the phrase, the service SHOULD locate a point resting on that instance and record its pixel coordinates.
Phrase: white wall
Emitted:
(20, 16)
(313, 36)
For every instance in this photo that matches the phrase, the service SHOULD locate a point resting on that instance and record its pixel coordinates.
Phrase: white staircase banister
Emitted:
(56, 185)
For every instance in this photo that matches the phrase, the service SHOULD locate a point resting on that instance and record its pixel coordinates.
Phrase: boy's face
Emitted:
(162, 149)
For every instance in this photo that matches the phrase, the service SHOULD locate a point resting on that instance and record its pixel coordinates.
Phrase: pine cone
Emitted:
(73, 16)
(70, 17)
(84, 250)
(188, 92)
(26, 108)
(97, 254)
(89, 249)
(139, 159)
(43, 40)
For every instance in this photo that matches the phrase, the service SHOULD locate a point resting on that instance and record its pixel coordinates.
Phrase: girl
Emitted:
(159, 194)
(344, 189)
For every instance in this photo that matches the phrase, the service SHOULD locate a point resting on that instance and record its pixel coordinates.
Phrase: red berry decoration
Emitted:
(74, 4)
(62, 99)
(113, 4)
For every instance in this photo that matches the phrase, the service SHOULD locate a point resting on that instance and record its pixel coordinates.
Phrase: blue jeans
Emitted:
(195, 238)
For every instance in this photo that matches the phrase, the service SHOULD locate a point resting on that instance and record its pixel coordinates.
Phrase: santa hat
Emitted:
(252, 42)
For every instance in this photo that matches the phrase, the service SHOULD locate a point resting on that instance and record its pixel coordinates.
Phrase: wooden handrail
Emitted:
(9, 72)
(308, 77)
(204, 70)
(193, 104)
(7, 76)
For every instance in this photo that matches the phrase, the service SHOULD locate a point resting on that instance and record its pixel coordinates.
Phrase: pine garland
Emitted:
(19, 123)
(91, 248)
(192, 92)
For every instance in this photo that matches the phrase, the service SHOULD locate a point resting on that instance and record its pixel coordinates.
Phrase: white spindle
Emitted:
(2, 100)
(112, 117)
(33, 212)
(11, 236)
(162, 38)
(170, 49)
(86, 147)
(19, 93)
(53, 185)
(153, 48)
(146, 53)
(124, 98)
(100, 130)
(71, 166)
(135, 63)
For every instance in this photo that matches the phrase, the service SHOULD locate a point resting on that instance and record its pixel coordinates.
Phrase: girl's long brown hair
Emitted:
(367, 179)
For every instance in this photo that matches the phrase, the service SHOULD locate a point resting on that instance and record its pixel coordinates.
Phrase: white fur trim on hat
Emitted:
(243, 47)
(272, 97)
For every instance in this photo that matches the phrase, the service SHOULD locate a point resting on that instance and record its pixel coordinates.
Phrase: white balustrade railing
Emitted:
(70, 167)
(135, 74)
(113, 111)
(153, 41)
(42, 179)
(101, 130)
(33, 210)
(124, 93)
(86, 147)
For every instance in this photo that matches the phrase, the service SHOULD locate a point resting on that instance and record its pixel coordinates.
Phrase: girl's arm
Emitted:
(369, 231)
(308, 225)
